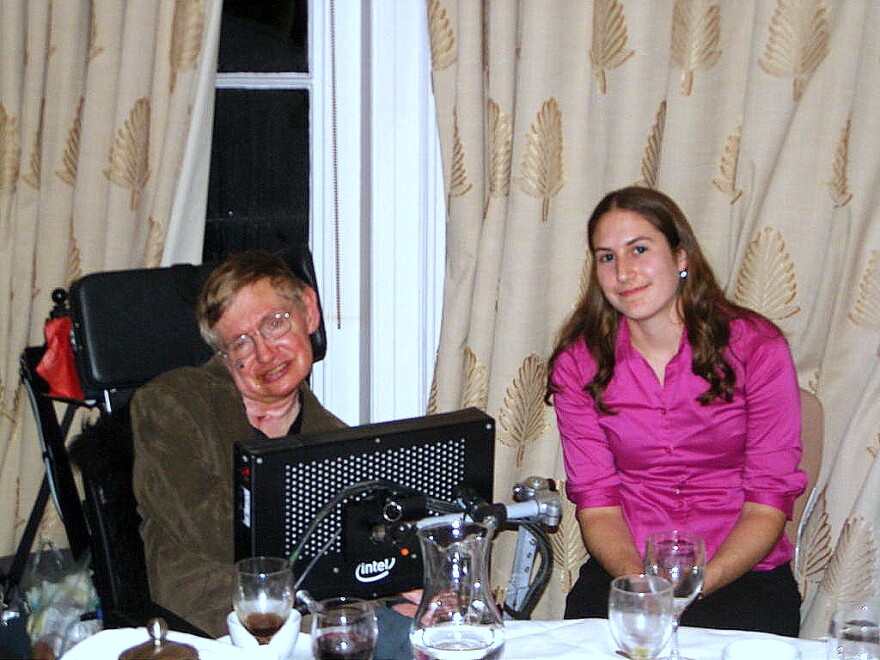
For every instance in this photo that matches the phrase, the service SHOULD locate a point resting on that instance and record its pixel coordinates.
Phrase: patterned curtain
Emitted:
(104, 111)
(759, 118)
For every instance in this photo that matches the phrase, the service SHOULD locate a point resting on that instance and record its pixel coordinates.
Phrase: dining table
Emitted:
(524, 640)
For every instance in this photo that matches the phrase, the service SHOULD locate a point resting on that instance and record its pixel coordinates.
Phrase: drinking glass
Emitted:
(263, 596)
(344, 629)
(680, 557)
(641, 613)
(854, 633)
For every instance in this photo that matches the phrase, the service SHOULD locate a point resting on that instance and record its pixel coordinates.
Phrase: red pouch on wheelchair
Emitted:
(56, 366)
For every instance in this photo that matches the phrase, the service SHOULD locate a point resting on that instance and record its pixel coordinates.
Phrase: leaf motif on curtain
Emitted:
(11, 414)
(70, 157)
(726, 182)
(441, 35)
(476, 381)
(10, 151)
(813, 383)
(797, 42)
(543, 173)
(814, 550)
(500, 151)
(866, 310)
(696, 34)
(155, 243)
(35, 162)
(74, 256)
(4, 411)
(431, 408)
(94, 48)
(651, 159)
(568, 546)
(186, 37)
(129, 155)
(459, 185)
(851, 572)
(839, 184)
(499, 593)
(874, 447)
(608, 49)
(523, 414)
(766, 281)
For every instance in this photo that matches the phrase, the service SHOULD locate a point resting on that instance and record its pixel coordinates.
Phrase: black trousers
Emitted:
(766, 601)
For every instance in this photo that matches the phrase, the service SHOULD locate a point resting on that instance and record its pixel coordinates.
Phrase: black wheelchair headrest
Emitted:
(132, 325)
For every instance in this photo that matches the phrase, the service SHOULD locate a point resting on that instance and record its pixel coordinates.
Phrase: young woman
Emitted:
(676, 409)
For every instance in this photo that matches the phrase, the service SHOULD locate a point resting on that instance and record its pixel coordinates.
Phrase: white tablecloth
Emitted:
(591, 638)
(526, 640)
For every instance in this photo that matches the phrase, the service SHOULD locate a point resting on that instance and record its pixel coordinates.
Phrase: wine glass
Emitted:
(641, 614)
(263, 596)
(680, 557)
(344, 629)
(854, 633)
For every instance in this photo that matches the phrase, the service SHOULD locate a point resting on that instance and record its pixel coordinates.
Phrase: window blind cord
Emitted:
(335, 164)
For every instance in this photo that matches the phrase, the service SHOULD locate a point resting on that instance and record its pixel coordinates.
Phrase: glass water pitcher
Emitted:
(457, 616)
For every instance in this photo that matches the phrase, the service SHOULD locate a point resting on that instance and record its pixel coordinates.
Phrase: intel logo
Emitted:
(373, 571)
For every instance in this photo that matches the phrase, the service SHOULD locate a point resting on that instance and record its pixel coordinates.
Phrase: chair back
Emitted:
(812, 438)
(129, 326)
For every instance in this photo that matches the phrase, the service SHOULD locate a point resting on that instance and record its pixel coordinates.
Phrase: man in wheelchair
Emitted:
(258, 317)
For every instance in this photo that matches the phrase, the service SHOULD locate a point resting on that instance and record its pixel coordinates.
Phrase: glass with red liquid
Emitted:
(263, 595)
(344, 629)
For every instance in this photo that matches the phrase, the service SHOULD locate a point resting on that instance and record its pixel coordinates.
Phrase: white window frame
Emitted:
(391, 213)
(408, 213)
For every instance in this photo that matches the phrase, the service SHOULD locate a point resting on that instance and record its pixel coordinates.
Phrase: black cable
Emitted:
(350, 491)
(442, 506)
(317, 556)
(542, 542)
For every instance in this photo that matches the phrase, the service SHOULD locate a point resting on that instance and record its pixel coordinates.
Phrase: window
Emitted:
(258, 190)
(338, 146)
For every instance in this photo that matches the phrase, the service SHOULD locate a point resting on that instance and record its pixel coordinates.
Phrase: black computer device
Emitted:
(362, 546)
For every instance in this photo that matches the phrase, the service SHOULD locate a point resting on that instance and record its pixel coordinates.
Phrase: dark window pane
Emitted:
(264, 36)
(258, 189)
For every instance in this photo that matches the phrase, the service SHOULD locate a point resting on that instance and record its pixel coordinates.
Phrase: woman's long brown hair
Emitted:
(706, 311)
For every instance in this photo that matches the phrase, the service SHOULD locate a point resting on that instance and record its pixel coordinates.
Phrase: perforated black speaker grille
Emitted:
(281, 485)
(432, 469)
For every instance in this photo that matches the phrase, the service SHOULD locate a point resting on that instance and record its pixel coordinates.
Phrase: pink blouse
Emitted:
(671, 462)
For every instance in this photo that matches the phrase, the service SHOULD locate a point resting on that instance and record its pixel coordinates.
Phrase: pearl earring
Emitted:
(683, 274)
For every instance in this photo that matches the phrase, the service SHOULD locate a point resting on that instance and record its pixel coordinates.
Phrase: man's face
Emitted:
(276, 367)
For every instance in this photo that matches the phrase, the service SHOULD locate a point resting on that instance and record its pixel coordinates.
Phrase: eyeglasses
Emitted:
(272, 329)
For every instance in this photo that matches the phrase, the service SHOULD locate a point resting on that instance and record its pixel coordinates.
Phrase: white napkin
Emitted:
(280, 647)
(752, 649)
